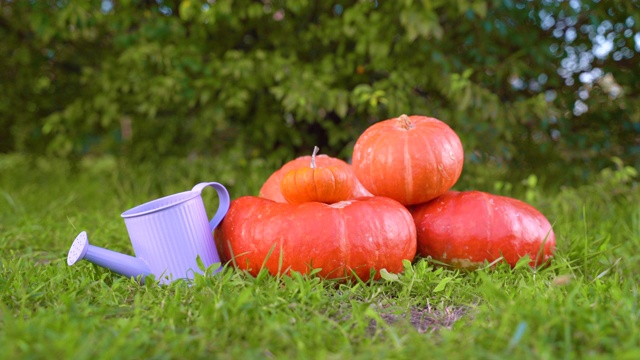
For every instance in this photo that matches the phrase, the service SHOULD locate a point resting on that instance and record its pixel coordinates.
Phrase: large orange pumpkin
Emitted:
(466, 228)
(352, 236)
(411, 159)
(271, 188)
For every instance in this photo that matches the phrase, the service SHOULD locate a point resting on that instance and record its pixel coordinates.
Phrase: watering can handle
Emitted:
(223, 196)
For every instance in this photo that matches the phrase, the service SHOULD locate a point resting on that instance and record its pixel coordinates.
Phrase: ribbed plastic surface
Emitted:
(171, 233)
(170, 240)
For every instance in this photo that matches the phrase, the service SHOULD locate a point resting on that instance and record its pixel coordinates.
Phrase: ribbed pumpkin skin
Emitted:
(354, 235)
(271, 188)
(411, 159)
(323, 184)
(466, 228)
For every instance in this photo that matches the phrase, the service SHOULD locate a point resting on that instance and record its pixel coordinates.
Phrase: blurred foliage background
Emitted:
(549, 87)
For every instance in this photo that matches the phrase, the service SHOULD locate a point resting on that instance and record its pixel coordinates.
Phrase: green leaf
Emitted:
(200, 263)
(442, 284)
(388, 276)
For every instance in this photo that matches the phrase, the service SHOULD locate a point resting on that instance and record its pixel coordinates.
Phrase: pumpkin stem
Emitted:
(405, 122)
(313, 157)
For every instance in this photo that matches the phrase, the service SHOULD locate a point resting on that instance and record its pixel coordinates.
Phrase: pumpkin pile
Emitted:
(394, 202)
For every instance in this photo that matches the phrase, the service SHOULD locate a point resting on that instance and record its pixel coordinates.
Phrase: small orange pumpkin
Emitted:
(271, 187)
(320, 184)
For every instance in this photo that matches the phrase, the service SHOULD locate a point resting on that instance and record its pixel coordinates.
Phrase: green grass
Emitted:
(585, 305)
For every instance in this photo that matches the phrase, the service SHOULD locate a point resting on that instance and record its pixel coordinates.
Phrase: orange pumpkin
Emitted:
(271, 188)
(342, 239)
(323, 184)
(411, 159)
(465, 229)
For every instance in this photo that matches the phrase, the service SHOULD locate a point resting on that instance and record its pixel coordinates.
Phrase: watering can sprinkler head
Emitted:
(78, 249)
(126, 265)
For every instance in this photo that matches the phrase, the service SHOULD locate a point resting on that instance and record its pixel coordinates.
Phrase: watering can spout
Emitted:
(126, 265)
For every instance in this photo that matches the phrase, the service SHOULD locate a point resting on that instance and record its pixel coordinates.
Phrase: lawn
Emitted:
(585, 305)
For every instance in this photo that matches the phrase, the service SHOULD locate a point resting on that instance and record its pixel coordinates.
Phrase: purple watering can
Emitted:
(168, 236)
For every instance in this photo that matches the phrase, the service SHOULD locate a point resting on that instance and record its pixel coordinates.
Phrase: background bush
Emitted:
(548, 87)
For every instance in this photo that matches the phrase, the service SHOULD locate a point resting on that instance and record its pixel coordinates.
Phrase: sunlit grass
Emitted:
(585, 304)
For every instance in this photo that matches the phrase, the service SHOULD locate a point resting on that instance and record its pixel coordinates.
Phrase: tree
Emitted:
(150, 79)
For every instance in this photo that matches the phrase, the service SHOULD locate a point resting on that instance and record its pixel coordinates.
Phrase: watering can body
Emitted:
(169, 236)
